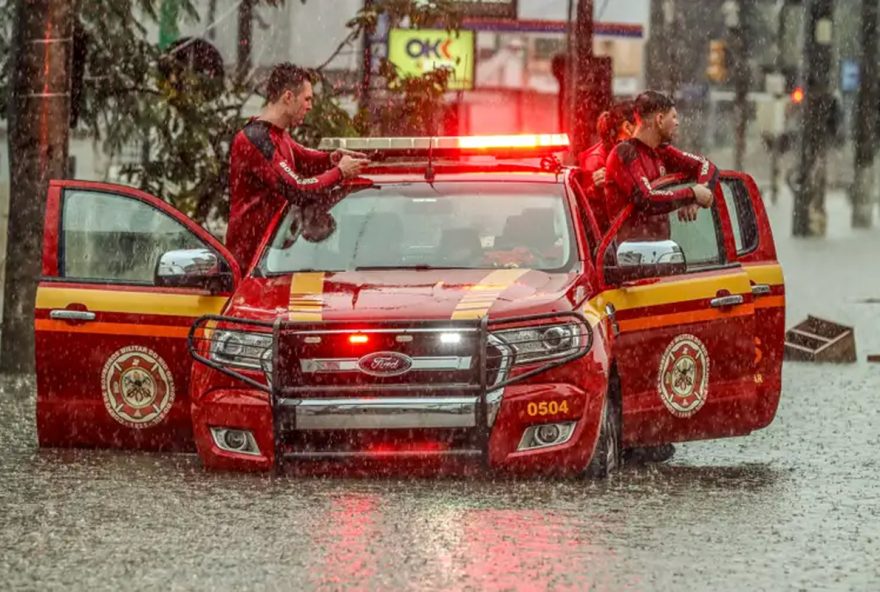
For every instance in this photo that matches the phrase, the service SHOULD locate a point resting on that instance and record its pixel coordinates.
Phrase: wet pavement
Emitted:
(795, 506)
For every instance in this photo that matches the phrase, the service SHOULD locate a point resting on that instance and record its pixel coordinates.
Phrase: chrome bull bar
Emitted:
(461, 390)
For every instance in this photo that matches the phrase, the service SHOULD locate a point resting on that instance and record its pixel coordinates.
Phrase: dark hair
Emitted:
(608, 125)
(650, 102)
(284, 77)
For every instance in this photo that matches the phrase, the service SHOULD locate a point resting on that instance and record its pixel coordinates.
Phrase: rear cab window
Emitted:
(742, 215)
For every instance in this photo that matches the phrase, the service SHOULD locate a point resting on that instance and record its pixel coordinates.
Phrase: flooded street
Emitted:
(795, 506)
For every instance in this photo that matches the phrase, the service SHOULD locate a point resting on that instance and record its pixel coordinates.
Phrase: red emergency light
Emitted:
(797, 95)
(509, 144)
(358, 339)
(559, 141)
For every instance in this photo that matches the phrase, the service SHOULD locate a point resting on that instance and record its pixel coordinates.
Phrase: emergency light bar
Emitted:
(518, 144)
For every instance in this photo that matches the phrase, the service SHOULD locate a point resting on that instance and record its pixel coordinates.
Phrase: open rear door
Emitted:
(685, 352)
(113, 368)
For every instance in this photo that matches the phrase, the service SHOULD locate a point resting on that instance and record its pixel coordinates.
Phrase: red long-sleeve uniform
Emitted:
(633, 165)
(268, 170)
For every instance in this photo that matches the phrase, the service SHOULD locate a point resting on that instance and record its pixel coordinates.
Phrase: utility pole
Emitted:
(809, 217)
(367, 66)
(39, 118)
(592, 80)
(245, 39)
(665, 74)
(581, 62)
(738, 19)
(866, 119)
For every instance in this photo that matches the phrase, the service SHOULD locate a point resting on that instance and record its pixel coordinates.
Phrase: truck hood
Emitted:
(404, 295)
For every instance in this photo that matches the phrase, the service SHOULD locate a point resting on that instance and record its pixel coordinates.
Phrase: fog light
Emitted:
(232, 440)
(235, 439)
(547, 434)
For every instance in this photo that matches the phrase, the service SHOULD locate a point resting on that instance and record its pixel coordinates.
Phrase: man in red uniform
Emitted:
(635, 163)
(268, 169)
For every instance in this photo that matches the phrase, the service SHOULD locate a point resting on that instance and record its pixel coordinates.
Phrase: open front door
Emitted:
(113, 368)
(685, 352)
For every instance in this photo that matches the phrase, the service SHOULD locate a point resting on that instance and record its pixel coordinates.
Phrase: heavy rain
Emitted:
(439, 294)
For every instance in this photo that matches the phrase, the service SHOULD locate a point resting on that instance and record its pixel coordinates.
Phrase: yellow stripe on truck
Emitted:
(701, 287)
(306, 297)
(130, 302)
(770, 275)
(480, 297)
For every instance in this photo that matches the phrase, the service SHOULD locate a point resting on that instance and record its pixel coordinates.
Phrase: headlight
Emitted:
(240, 348)
(546, 342)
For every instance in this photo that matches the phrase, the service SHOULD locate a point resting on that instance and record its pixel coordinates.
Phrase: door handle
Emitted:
(65, 314)
(761, 290)
(725, 301)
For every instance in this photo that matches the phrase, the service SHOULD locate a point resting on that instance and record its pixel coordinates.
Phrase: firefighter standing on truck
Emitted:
(614, 126)
(268, 169)
(635, 163)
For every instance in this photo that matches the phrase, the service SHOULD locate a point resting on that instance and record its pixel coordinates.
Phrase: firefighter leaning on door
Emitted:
(635, 163)
(268, 169)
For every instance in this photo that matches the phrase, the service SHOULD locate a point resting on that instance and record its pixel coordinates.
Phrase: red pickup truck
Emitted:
(462, 309)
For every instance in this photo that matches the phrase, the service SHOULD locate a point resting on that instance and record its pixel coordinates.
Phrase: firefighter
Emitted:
(268, 169)
(635, 163)
(613, 126)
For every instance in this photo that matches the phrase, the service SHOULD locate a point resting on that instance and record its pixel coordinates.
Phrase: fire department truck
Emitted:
(458, 306)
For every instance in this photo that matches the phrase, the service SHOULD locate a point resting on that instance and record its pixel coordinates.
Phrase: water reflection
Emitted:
(725, 515)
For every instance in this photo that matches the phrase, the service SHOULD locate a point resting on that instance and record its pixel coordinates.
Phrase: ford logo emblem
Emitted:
(385, 364)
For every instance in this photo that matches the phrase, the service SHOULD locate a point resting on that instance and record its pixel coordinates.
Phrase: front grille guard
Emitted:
(202, 342)
(203, 331)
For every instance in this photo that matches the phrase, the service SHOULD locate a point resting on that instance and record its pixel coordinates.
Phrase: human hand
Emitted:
(337, 155)
(351, 167)
(599, 177)
(703, 196)
(688, 213)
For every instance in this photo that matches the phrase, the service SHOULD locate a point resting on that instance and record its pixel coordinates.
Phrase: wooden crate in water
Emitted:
(818, 340)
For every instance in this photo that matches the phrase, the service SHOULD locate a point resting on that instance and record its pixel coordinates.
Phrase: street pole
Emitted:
(583, 57)
(809, 205)
(739, 18)
(672, 63)
(245, 38)
(866, 119)
(39, 120)
(593, 76)
(367, 66)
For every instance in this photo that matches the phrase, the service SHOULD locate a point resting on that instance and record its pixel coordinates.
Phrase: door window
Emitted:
(699, 240)
(113, 238)
(743, 222)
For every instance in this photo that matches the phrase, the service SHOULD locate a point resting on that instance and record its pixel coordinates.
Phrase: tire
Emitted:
(607, 455)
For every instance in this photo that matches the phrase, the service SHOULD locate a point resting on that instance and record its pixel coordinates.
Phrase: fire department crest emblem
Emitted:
(683, 381)
(138, 387)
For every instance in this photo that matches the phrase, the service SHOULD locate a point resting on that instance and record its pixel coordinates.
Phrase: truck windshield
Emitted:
(483, 225)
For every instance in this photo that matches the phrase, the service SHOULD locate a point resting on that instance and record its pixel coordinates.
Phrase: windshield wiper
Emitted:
(420, 267)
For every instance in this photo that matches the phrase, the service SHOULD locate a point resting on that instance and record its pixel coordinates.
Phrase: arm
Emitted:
(698, 167)
(310, 161)
(275, 171)
(631, 178)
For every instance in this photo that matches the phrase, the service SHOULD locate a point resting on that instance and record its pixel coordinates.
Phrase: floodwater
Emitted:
(793, 507)
(796, 506)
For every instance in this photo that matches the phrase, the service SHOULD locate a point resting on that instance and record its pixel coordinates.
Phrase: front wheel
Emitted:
(606, 457)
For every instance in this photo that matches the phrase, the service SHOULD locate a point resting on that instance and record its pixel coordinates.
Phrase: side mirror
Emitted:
(194, 268)
(638, 260)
